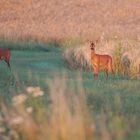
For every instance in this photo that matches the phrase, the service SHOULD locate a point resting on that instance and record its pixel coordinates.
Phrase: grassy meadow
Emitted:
(61, 102)
(50, 93)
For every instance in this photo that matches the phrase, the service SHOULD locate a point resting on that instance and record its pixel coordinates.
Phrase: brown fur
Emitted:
(100, 62)
(5, 55)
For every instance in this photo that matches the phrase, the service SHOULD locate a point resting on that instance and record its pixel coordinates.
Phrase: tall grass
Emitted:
(124, 53)
(42, 19)
(78, 57)
(67, 116)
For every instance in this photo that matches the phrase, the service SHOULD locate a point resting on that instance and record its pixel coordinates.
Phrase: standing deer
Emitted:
(100, 62)
(5, 55)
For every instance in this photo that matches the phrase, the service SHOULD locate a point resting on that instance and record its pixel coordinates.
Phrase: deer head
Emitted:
(92, 46)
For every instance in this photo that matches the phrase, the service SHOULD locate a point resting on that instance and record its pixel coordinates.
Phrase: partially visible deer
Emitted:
(100, 62)
(5, 55)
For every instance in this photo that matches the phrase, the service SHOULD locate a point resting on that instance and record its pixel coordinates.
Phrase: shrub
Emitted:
(78, 57)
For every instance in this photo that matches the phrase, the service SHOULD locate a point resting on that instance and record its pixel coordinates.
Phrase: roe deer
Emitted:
(5, 55)
(100, 62)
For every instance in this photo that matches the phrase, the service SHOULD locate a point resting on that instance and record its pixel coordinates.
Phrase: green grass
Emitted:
(118, 95)
(30, 45)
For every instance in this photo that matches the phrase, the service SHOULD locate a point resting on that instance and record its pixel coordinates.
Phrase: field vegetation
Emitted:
(124, 53)
(42, 98)
(50, 92)
(58, 19)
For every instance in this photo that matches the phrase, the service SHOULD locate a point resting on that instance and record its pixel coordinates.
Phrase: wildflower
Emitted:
(16, 120)
(38, 93)
(19, 99)
(35, 91)
(29, 109)
(30, 89)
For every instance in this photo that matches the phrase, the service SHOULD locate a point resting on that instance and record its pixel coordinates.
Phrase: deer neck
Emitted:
(93, 52)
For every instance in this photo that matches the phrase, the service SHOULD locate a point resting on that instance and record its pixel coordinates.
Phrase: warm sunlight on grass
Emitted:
(41, 20)
(125, 56)
(67, 116)
(50, 92)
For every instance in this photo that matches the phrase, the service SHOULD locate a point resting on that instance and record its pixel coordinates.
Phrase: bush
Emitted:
(78, 57)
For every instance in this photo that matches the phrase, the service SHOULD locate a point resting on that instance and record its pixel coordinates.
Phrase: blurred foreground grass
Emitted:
(59, 103)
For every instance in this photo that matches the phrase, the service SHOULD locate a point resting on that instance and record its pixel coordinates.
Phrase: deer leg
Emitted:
(112, 71)
(8, 64)
(95, 72)
(106, 71)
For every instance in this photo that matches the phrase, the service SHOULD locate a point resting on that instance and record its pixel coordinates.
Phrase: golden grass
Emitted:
(67, 117)
(78, 57)
(43, 19)
(125, 55)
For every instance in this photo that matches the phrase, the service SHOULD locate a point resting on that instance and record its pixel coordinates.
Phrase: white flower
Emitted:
(35, 91)
(29, 109)
(16, 120)
(38, 93)
(19, 99)
(30, 89)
